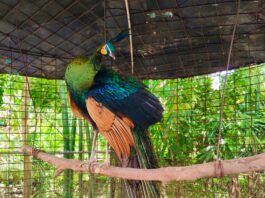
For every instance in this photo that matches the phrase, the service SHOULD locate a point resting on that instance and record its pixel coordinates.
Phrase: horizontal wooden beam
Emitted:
(166, 174)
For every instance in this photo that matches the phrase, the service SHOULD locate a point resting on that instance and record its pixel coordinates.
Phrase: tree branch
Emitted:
(167, 174)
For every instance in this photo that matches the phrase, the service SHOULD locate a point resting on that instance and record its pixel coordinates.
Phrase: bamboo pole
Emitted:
(27, 188)
(91, 182)
(80, 157)
(67, 192)
(130, 34)
(72, 148)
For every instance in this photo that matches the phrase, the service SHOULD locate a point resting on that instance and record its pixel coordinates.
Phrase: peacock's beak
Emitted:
(112, 56)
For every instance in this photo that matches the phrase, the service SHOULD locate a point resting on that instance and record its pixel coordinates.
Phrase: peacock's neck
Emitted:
(96, 59)
(80, 73)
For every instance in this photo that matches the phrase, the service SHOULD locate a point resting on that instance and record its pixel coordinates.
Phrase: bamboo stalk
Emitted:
(80, 157)
(130, 34)
(67, 193)
(112, 180)
(72, 136)
(27, 187)
(91, 176)
(72, 148)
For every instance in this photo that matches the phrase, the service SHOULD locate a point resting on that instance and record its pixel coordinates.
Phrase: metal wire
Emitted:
(164, 46)
(191, 42)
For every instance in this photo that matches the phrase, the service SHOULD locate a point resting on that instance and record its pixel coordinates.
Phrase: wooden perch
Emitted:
(167, 174)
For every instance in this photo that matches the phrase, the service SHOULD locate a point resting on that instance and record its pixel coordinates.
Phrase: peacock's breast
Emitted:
(80, 77)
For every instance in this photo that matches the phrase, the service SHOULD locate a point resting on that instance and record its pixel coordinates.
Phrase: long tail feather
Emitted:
(141, 157)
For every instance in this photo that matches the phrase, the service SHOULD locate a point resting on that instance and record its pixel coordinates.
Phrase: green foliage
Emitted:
(190, 126)
(44, 93)
(187, 134)
(2, 82)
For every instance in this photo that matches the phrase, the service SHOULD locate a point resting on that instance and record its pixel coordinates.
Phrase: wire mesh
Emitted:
(189, 131)
(46, 121)
(187, 135)
(171, 39)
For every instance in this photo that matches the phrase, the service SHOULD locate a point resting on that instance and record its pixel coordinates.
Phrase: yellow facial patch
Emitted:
(103, 50)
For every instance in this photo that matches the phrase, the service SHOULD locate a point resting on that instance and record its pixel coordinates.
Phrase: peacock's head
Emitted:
(108, 50)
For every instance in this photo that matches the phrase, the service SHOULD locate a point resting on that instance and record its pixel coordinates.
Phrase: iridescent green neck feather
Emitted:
(81, 71)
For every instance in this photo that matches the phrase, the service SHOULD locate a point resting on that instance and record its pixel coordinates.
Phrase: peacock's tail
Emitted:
(141, 157)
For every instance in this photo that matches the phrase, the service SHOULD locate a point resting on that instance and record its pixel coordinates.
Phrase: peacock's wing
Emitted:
(77, 112)
(126, 96)
(116, 105)
(78, 109)
(116, 129)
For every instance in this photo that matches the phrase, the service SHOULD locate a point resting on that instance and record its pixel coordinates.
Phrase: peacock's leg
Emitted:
(107, 156)
(106, 162)
(92, 160)
(93, 149)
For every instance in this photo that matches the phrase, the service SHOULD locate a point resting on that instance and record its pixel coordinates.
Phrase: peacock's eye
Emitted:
(103, 50)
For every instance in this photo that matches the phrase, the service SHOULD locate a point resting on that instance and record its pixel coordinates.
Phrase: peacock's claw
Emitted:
(89, 165)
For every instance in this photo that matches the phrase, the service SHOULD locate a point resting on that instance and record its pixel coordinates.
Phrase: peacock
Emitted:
(120, 108)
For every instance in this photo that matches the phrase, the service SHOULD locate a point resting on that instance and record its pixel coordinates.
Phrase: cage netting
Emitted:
(180, 50)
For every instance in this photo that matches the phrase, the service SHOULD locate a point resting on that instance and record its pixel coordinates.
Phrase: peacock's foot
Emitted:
(89, 165)
(105, 164)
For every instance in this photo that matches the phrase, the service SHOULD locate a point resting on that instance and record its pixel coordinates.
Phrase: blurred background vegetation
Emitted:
(187, 135)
